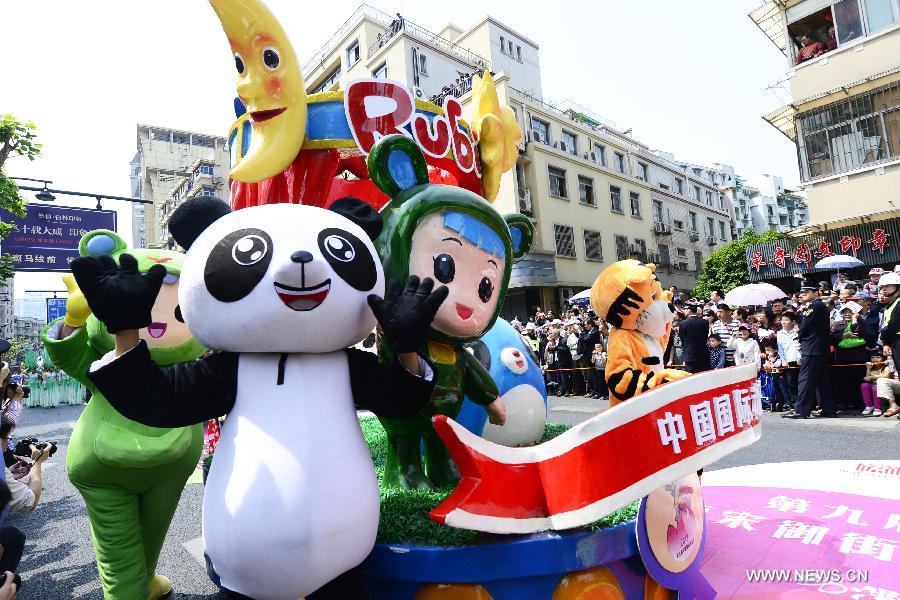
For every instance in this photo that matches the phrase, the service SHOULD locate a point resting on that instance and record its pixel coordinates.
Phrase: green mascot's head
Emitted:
(168, 337)
(449, 234)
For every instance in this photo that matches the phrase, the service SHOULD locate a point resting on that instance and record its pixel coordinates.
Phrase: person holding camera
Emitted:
(25, 492)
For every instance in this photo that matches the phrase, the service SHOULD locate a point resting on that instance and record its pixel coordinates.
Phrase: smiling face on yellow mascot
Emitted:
(628, 296)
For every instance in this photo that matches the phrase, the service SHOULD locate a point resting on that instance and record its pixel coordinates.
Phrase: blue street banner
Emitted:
(56, 308)
(47, 237)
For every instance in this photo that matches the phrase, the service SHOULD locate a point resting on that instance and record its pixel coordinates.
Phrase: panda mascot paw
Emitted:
(405, 316)
(119, 295)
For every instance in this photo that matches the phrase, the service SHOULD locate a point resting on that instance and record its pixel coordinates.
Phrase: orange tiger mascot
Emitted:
(628, 296)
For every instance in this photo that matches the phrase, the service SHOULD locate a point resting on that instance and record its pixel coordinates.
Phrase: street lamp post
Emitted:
(47, 195)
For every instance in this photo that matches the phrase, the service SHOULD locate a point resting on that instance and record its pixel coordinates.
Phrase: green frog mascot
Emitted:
(456, 237)
(130, 475)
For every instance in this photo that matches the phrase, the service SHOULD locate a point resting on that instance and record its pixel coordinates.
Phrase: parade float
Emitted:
(609, 508)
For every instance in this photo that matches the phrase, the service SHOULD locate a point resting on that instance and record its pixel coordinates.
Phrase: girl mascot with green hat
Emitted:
(456, 237)
(130, 475)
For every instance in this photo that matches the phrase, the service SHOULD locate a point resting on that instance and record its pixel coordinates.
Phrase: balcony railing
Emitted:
(418, 32)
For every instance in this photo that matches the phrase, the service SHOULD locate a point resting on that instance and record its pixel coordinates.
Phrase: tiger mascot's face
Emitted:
(627, 295)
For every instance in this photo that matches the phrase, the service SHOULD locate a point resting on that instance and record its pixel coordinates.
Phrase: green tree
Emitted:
(726, 268)
(17, 138)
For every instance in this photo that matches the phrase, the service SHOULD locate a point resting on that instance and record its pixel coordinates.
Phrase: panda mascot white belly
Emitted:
(281, 292)
(291, 481)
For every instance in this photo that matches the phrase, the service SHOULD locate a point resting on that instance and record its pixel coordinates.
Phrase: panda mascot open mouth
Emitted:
(303, 299)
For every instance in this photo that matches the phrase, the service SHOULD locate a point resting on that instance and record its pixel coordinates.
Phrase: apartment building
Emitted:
(207, 178)
(7, 308)
(29, 329)
(767, 206)
(165, 158)
(594, 193)
(842, 63)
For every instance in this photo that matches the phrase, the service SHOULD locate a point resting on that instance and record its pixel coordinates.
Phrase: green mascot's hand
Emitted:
(77, 309)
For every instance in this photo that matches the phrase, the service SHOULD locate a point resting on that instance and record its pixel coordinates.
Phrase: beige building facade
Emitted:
(164, 161)
(845, 113)
(593, 192)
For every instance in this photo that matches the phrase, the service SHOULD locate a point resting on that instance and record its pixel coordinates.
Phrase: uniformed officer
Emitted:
(814, 338)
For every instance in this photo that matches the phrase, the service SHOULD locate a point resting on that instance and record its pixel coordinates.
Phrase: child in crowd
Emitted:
(773, 367)
(888, 387)
(716, 352)
(875, 369)
(598, 358)
(746, 349)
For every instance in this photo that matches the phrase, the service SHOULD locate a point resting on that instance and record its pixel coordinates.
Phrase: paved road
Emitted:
(59, 561)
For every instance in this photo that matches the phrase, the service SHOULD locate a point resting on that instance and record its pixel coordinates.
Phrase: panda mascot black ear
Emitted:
(193, 216)
(361, 213)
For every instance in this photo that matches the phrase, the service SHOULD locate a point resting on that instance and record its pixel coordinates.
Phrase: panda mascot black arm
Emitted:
(228, 270)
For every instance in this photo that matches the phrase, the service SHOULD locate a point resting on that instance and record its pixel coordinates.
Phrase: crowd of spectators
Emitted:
(841, 330)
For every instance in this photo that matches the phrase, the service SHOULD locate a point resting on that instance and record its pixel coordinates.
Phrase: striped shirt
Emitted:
(726, 331)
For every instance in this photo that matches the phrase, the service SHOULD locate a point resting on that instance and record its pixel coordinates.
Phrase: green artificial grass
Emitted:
(404, 513)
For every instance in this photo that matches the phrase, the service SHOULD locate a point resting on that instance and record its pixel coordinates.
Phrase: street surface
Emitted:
(59, 561)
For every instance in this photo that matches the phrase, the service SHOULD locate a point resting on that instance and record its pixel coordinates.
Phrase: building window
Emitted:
(635, 200)
(423, 64)
(540, 129)
(570, 142)
(207, 191)
(679, 186)
(586, 190)
(621, 247)
(203, 142)
(593, 250)
(640, 248)
(380, 71)
(722, 235)
(697, 193)
(849, 134)
(599, 154)
(329, 80)
(665, 258)
(642, 172)
(692, 220)
(708, 198)
(710, 227)
(509, 47)
(681, 252)
(657, 211)
(880, 14)
(620, 162)
(353, 54)
(558, 182)
(721, 202)
(698, 261)
(678, 225)
(519, 53)
(615, 199)
(502, 44)
(565, 240)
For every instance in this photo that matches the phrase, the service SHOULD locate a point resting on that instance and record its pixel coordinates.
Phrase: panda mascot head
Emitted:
(278, 277)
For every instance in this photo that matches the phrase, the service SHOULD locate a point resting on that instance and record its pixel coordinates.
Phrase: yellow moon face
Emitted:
(269, 84)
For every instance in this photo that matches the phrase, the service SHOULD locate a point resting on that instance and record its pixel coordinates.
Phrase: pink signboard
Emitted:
(826, 529)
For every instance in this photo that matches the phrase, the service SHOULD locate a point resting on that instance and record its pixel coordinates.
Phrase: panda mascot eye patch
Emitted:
(237, 264)
(349, 257)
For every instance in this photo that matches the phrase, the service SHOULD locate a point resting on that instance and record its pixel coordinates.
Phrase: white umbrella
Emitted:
(753, 294)
(581, 298)
(839, 261)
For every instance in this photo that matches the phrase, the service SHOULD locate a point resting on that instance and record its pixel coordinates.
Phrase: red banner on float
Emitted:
(604, 463)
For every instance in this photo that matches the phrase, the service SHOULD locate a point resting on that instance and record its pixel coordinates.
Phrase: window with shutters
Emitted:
(593, 250)
(565, 240)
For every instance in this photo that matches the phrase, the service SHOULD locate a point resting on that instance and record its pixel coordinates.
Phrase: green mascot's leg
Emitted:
(118, 543)
(157, 506)
(403, 464)
(440, 467)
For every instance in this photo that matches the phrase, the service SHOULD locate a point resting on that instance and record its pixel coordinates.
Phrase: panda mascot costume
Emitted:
(281, 291)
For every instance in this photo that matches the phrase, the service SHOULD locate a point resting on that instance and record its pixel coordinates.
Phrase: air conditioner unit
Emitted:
(695, 236)
(562, 146)
(417, 92)
(218, 180)
(661, 228)
(684, 266)
(525, 201)
(677, 266)
(586, 155)
(710, 240)
(538, 136)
